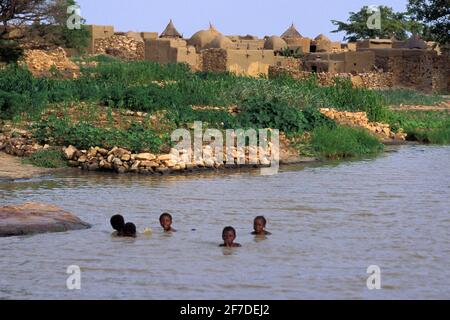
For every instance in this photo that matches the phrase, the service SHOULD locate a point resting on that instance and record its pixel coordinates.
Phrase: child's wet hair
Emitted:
(165, 214)
(261, 218)
(117, 222)
(129, 230)
(226, 229)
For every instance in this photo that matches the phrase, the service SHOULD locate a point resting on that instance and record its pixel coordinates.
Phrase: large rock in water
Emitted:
(33, 218)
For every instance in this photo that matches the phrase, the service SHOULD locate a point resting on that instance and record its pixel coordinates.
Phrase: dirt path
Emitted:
(13, 168)
(438, 107)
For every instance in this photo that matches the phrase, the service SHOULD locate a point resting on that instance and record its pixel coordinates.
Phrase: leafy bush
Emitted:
(271, 113)
(47, 158)
(10, 51)
(85, 135)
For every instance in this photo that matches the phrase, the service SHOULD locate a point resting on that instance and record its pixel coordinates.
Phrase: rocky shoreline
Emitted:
(20, 143)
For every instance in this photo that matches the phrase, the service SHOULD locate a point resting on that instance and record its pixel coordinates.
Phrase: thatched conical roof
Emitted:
(291, 32)
(170, 32)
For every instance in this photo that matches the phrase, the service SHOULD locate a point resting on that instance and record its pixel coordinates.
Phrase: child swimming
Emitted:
(121, 228)
(129, 230)
(228, 237)
(259, 225)
(166, 222)
(118, 223)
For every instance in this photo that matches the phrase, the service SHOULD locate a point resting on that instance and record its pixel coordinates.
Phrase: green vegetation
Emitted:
(396, 97)
(423, 126)
(343, 142)
(61, 131)
(394, 24)
(47, 158)
(146, 86)
(172, 95)
(427, 18)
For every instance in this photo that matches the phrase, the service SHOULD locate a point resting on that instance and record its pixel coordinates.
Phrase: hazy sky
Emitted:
(256, 17)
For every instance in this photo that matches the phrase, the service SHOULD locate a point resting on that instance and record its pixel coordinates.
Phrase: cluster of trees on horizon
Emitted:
(47, 18)
(430, 19)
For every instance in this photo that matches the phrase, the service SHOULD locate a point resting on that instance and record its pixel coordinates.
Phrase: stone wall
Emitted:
(441, 74)
(360, 119)
(415, 68)
(371, 80)
(214, 60)
(121, 46)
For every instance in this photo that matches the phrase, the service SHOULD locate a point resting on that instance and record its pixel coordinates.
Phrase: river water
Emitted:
(330, 222)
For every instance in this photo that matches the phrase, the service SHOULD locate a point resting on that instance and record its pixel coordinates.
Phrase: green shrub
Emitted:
(260, 112)
(83, 135)
(10, 51)
(47, 158)
(343, 142)
(422, 126)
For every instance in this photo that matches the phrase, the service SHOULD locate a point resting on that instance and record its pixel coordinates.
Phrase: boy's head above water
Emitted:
(117, 222)
(129, 230)
(228, 237)
(166, 221)
(259, 225)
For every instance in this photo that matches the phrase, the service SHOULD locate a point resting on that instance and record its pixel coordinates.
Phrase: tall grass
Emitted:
(343, 142)
(396, 97)
(149, 86)
(423, 126)
(283, 103)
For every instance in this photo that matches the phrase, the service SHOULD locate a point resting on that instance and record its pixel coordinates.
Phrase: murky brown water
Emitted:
(329, 223)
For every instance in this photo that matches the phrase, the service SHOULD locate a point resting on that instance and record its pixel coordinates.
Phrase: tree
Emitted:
(57, 28)
(45, 22)
(19, 12)
(435, 16)
(393, 24)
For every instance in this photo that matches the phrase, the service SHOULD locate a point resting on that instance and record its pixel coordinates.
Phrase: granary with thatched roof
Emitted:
(295, 41)
(291, 33)
(171, 32)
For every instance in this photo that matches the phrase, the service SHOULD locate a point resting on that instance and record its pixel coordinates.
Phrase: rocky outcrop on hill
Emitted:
(43, 63)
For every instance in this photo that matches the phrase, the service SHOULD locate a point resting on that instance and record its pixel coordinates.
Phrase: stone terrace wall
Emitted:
(441, 73)
(371, 80)
(413, 68)
(214, 60)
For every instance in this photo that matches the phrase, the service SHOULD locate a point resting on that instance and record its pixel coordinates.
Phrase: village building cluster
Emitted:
(412, 63)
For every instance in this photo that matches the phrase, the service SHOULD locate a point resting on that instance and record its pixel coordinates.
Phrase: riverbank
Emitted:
(13, 168)
(115, 112)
